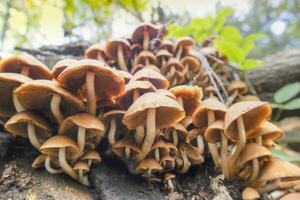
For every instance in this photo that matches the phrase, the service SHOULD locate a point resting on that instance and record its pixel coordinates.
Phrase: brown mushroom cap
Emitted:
(17, 125)
(37, 94)
(94, 51)
(253, 151)
(179, 128)
(39, 161)
(172, 62)
(137, 36)
(190, 95)
(200, 115)
(250, 194)
(192, 62)
(112, 48)
(119, 148)
(91, 155)
(14, 64)
(163, 54)
(249, 98)
(185, 42)
(141, 59)
(107, 81)
(210, 89)
(193, 153)
(212, 133)
(136, 49)
(291, 196)
(158, 80)
(126, 75)
(148, 164)
(166, 93)
(139, 67)
(254, 114)
(106, 117)
(168, 45)
(80, 165)
(168, 111)
(8, 82)
(240, 86)
(61, 66)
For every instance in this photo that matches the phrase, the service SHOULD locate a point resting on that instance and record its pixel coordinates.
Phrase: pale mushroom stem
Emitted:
(127, 153)
(200, 143)
(150, 134)
(232, 97)
(241, 142)
(255, 170)
(179, 53)
(174, 137)
(258, 140)
(185, 164)
(91, 96)
(80, 175)
(25, 71)
(49, 168)
(121, 59)
(170, 185)
(112, 131)
(89, 162)
(55, 108)
(146, 39)
(224, 145)
(147, 62)
(85, 181)
(140, 132)
(64, 164)
(163, 61)
(277, 185)
(186, 70)
(212, 146)
(32, 136)
(18, 106)
(157, 155)
(81, 139)
(171, 73)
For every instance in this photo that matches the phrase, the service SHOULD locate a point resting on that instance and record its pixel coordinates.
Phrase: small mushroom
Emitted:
(155, 111)
(29, 124)
(60, 66)
(191, 65)
(47, 161)
(26, 65)
(210, 91)
(174, 71)
(250, 194)
(65, 149)
(88, 75)
(144, 34)
(91, 157)
(193, 153)
(168, 182)
(82, 168)
(168, 162)
(159, 148)
(96, 52)
(182, 162)
(148, 167)
(82, 127)
(126, 149)
(195, 138)
(146, 58)
(154, 77)
(135, 51)
(139, 67)
(119, 50)
(236, 88)
(176, 133)
(49, 98)
(167, 45)
(182, 46)
(162, 57)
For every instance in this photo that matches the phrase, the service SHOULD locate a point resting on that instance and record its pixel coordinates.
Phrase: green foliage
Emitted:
(284, 156)
(229, 40)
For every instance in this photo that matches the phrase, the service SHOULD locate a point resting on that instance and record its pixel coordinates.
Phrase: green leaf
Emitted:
(248, 42)
(292, 105)
(231, 33)
(275, 105)
(221, 18)
(232, 51)
(287, 92)
(250, 64)
(202, 24)
(284, 156)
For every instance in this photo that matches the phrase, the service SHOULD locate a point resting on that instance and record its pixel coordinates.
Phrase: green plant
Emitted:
(285, 98)
(229, 40)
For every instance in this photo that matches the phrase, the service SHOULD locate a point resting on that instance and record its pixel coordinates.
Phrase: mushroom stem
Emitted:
(140, 133)
(200, 143)
(18, 106)
(163, 61)
(179, 53)
(277, 185)
(25, 70)
(91, 96)
(186, 70)
(171, 73)
(232, 97)
(157, 155)
(80, 175)
(64, 164)
(150, 134)
(112, 131)
(174, 137)
(32, 136)
(121, 59)
(127, 153)
(213, 149)
(224, 144)
(146, 39)
(85, 181)
(81, 139)
(170, 185)
(89, 162)
(185, 165)
(180, 101)
(255, 170)
(49, 168)
(147, 62)
(55, 108)
(258, 139)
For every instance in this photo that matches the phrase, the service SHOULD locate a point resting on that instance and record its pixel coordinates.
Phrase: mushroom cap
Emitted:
(139, 67)
(191, 96)
(137, 35)
(168, 111)
(126, 75)
(112, 48)
(157, 79)
(94, 51)
(249, 98)
(193, 153)
(136, 49)
(163, 53)
(200, 114)
(117, 114)
(14, 64)
(143, 55)
(39, 161)
(8, 82)
(213, 131)
(172, 62)
(150, 164)
(278, 169)
(250, 194)
(253, 151)
(91, 155)
(169, 176)
(53, 144)
(141, 86)
(88, 121)
(192, 62)
(240, 86)
(166, 93)
(254, 114)
(185, 42)
(61, 66)
(161, 145)
(168, 45)
(118, 148)
(291, 196)
(80, 165)
(108, 82)
(37, 95)
(180, 129)
(17, 124)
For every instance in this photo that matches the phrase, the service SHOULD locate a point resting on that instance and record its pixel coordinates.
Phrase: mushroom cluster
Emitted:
(134, 95)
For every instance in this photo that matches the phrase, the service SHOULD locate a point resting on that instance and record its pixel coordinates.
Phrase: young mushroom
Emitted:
(154, 77)
(195, 138)
(162, 57)
(126, 149)
(193, 154)
(60, 66)
(191, 65)
(81, 168)
(119, 50)
(174, 71)
(167, 45)
(154, 111)
(96, 52)
(146, 58)
(31, 125)
(135, 51)
(168, 182)
(148, 167)
(182, 46)
(88, 75)
(176, 133)
(236, 88)
(139, 67)
(91, 157)
(160, 148)
(48, 162)
(168, 162)
(83, 127)
(144, 34)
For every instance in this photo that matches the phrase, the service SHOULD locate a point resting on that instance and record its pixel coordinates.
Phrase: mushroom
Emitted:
(241, 120)
(193, 154)
(182, 162)
(135, 51)
(250, 194)
(167, 45)
(91, 157)
(148, 167)
(60, 66)
(83, 127)
(248, 98)
(139, 67)
(291, 196)
(154, 77)
(209, 111)
(112, 122)
(9, 103)
(236, 88)
(26, 65)
(49, 98)
(155, 111)
(195, 138)
(159, 148)
(210, 91)
(96, 52)
(126, 75)
(176, 133)
(191, 66)
(278, 175)
(168, 182)
(174, 71)
(144, 34)
(162, 57)
(82, 168)
(65, 149)
(168, 162)
(182, 46)
(126, 149)
(47, 161)
(119, 50)
(29, 124)
(146, 58)
(88, 75)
